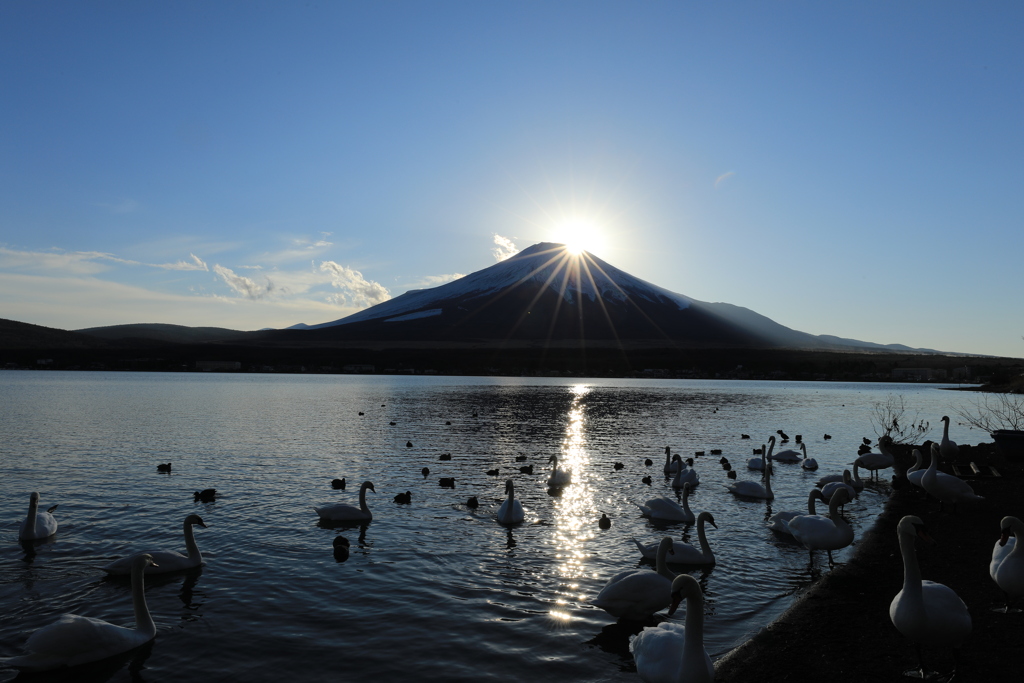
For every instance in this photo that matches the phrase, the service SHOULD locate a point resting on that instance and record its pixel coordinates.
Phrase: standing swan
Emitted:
(780, 520)
(925, 612)
(73, 640)
(636, 594)
(751, 489)
(824, 533)
(340, 512)
(511, 511)
(558, 478)
(669, 652)
(877, 461)
(166, 560)
(948, 447)
(948, 489)
(684, 553)
(37, 524)
(1007, 566)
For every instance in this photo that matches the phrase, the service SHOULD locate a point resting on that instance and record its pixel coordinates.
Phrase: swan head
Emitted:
(686, 488)
(911, 527)
(706, 517)
(689, 461)
(771, 440)
(508, 486)
(554, 459)
(684, 586)
(368, 485)
(142, 561)
(1006, 529)
(195, 520)
(34, 498)
(665, 547)
(816, 493)
(945, 418)
(667, 450)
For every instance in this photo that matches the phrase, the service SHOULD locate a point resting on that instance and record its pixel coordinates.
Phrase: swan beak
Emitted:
(1004, 537)
(677, 597)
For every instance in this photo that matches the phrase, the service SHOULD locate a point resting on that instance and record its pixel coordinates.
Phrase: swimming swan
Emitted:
(947, 489)
(670, 466)
(667, 509)
(759, 463)
(807, 463)
(684, 553)
(751, 489)
(511, 511)
(925, 612)
(341, 512)
(73, 640)
(166, 560)
(685, 475)
(1007, 565)
(671, 652)
(636, 594)
(817, 532)
(780, 520)
(856, 482)
(37, 524)
(558, 478)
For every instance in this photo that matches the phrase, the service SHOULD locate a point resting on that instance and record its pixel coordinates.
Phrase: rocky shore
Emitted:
(839, 629)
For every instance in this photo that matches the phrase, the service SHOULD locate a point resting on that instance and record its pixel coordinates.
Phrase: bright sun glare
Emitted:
(579, 235)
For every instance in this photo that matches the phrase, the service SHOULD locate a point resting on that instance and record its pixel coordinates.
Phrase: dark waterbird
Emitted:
(392, 423)
(618, 465)
(360, 412)
(404, 498)
(472, 503)
(648, 462)
(338, 483)
(699, 453)
(408, 444)
(205, 496)
(646, 480)
(520, 458)
(166, 467)
(604, 522)
(715, 451)
(447, 423)
(445, 456)
(446, 482)
(731, 474)
(425, 471)
(494, 472)
(341, 548)
(526, 470)
(744, 436)
(827, 437)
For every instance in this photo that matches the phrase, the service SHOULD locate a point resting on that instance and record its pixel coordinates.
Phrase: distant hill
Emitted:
(172, 334)
(18, 335)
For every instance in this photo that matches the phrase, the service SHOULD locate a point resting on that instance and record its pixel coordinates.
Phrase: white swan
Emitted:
(856, 482)
(807, 463)
(915, 473)
(37, 524)
(341, 512)
(558, 478)
(947, 489)
(817, 532)
(829, 489)
(667, 509)
(877, 461)
(73, 640)
(948, 447)
(685, 475)
(760, 462)
(636, 594)
(671, 652)
(671, 466)
(511, 511)
(1007, 565)
(751, 489)
(166, 560)
(788, 455)
(684, 553)
(925, 612)
(780, 520)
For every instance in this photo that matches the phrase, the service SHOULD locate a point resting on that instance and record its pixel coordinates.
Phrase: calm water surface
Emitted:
(431, 590)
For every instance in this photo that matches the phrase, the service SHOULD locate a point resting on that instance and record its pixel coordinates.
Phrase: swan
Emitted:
(1007, 565)
(947, 489)
(166, 560)
(877, 461)
(37, 524)
(667, 509)
(636, 594)
(341, 512)
(915, 473)
(751, 489)
(684, 553)
(511, 511)
(925, 612)
(856, 482)
(558, 478)
(807, 463)
(948, 447)
(73, 640)
(685, 475)
(817, 532)
(780, 520)
(759, 463)
(670, 466)
(673, 653)
(829, 489)
(789, 455)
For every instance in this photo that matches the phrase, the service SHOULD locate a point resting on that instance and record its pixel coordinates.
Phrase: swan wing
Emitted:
(167, 561)
(635, 595)
(73, 640)
(340, 512)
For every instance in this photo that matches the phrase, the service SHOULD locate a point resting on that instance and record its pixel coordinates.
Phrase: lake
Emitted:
(433, 590)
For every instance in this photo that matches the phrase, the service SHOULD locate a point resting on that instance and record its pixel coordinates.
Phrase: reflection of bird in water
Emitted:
(341, 548)
(510, 540)
(604, 522)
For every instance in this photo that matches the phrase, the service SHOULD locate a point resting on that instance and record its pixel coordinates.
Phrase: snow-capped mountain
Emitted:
(545, 294)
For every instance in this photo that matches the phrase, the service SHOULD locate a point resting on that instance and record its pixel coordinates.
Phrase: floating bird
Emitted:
(648, 462)
(472, 503)
(446, 482)
(528, 469)
(684, 553)
(166, 467)
(37, 524)
(788, 455)
(780, 520)
(827, 437)
(338, 483)
(731, 474)
(520, 458)
(646, 480)
(636, 594)
(445, 456)
(832, 487)
(855, 481)
(604, 522)
(700, 453)
(360, 412)
(817, 532)
(714, 451)
(807, 463)
(408, 444)
(671, 465)
(341, 512)
(948, 489)
(404, 498)
(392, 423)
(618, 466)
(751, 489)
(926, 613)
(744, 436)
(948, 447)
(74, 640)
(782, 435)
(205, 496)
(866, 440)
(799, 438)
(169, 561)
(425, 471)
(1007, 565)
(666, 509)
(447, 423)
(673, 653)
(494, 472)
(558, 477)
(341, 548)
(684, 476)
(511, 511)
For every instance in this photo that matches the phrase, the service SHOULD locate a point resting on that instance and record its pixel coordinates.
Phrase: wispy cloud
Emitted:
(504, 249)
(195, 264)
(722, 178)
(247, 287)
(355, 289)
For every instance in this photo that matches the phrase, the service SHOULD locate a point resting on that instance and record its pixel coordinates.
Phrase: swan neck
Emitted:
(945, 430)
(686, 499)
(911, 570)
(143, 619)
(33, 511)
(662, 562)
(811, 510)
(694, 638)
(191, 549)
(704, 547)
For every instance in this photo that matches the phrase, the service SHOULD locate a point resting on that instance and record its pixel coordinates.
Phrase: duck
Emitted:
(205, 496)
(751, 489)
(761, 462)
(511, 511)
(666, 510)
(166, 560)
(37, 525)
(927, 613)
(446, 482)
(472, 503)
(671, 466)
(604, 522)
(647, 480)
(341, 512)
(495, 472)
(817, 532)
(1007, 565)
(527, 469)
(618, 466)
(338, 483)
(685, 475)
(341, 548)
(425, 472)
(445, 456)
(780, 520)
(74, 640)
(163, 467)
(558, 478)
(648, 462)
(947, 447)
(947, 489)
(684, 553)
(877, 461)
(671, 652)
(807, 463)
(636, 594)
(404, 498)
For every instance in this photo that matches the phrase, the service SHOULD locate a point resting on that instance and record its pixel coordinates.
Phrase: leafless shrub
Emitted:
(995, 411)
(889, 418)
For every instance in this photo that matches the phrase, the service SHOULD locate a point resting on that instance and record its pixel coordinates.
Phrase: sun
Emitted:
(579, 235)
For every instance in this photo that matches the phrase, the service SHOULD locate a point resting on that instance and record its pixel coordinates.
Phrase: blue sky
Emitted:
(843, 168)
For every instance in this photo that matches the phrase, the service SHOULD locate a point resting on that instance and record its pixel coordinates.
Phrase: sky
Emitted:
(845, 168)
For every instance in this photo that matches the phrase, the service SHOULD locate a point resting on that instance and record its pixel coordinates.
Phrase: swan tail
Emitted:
(639, 545)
